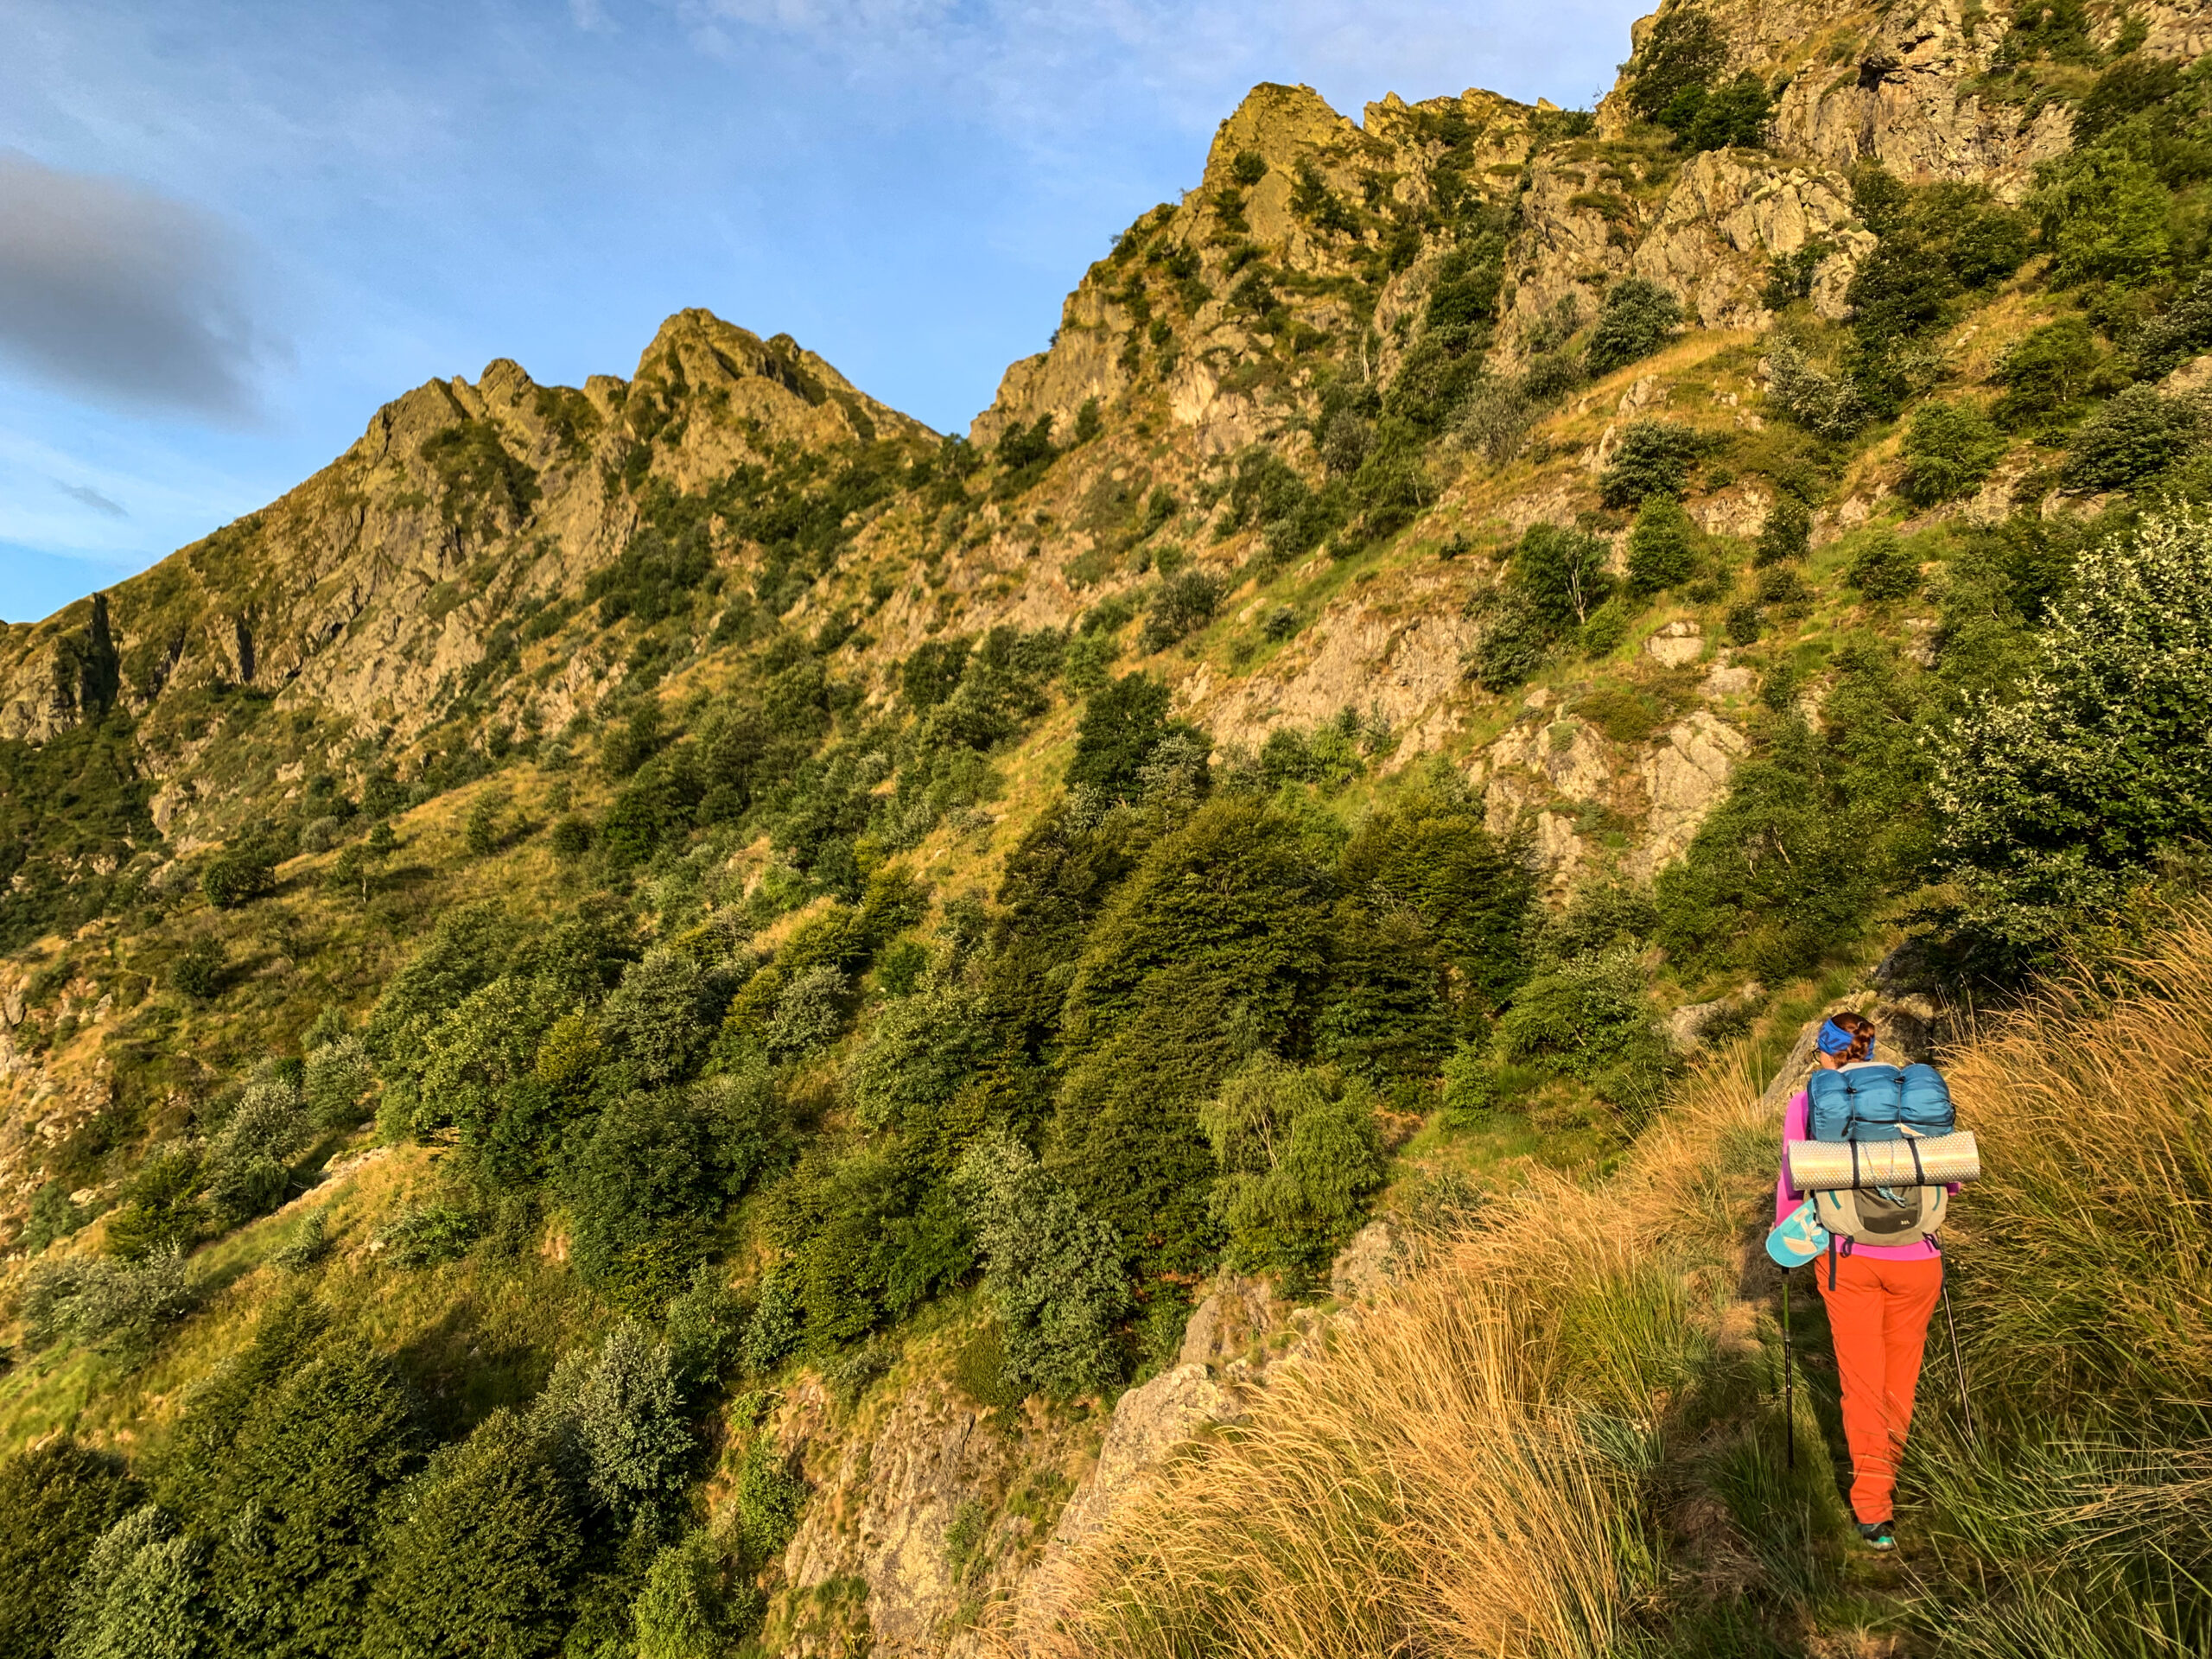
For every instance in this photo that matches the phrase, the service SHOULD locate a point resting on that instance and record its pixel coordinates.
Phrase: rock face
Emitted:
(1683, 777)
(902, 1488)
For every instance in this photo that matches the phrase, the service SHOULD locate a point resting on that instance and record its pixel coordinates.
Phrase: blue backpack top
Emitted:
(1873, 1102)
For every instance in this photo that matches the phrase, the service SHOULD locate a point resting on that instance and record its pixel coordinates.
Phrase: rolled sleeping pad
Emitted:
(1835, 1166)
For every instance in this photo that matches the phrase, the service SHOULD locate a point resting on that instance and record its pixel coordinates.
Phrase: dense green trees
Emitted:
(479, 1555)
(56, 1500)
(2055, 799)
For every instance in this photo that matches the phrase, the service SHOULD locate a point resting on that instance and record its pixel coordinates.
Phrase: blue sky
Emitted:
(229, 232)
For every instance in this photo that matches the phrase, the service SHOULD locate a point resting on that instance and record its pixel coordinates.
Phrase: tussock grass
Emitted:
(1461, 1472)
(2086, 1251)
(1564, 1436)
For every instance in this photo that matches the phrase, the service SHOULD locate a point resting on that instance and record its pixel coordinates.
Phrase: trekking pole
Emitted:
(1788, 1382)
(1959, 1360)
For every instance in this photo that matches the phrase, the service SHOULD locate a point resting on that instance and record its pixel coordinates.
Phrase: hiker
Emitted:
(1879, 1297)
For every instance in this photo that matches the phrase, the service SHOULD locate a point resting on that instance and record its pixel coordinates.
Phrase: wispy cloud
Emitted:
(1038, 67)
(86, 495)
(112, 291)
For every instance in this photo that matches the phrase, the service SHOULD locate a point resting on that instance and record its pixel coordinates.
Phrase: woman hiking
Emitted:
(1879, 1297)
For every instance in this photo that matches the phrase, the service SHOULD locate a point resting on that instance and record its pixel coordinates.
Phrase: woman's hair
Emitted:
(1862, 1035)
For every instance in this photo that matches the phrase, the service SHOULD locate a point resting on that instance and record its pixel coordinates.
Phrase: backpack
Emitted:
(1873, 1102)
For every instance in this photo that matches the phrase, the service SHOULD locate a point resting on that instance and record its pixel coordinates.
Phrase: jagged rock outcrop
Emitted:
(373, 584)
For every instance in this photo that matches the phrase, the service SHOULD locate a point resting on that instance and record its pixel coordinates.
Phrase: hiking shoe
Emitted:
(1878, 1535)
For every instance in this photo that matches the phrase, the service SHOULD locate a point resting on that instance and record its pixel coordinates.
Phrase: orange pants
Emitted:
(1877, 1315)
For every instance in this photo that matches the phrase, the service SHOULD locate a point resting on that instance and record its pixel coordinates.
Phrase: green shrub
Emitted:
(1516, 644)
(658, 1167)
(1634, 321)
(1299, 1156)
(248, 1157)
(2056, 29)
(657, 1018)
(1470, 1085)
(199, 972)
(296, 1495)
(1827, 405)
(122, 1307)
(1680, 58)
(1465, 288)
(1787, 533)
(2103, 217)
(933, 672)
(237, 878)
(1022, 447)
(53, 1214)
(1052, 1271)
(1783, 872)
(705, 1326)
(1183, 603)
(2046, 374)
(481, 833)
(917, 1055)
(1662, 547)
(336, 1078)
(2135, 436)
(1745, 623)
(618, 1410)
(1607, 628)
(143, 1591)
(1783, 587)
(774, 1328)
(1428, 935)
(1122, 725)
(1883, 568)
(1563, 572)
(1937, 243)
(2183, 332)
(682, 1610)
(1588, 1019)
(428, 1235)
(870, 1237)
(2127, 87)
(1948, 450)
(1211, 948)
(770, 1499)
(1653, 458)
(1737, 113)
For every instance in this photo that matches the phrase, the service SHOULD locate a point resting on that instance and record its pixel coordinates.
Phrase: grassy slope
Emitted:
(1619, 1342)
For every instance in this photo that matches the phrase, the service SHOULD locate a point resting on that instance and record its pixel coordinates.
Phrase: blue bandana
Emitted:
(1834, 1040)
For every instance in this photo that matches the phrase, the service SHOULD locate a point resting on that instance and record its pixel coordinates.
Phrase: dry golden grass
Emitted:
(2085, 1251)
(1457, 1474)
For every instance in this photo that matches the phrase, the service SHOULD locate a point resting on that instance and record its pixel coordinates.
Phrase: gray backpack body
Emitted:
(1883, 1214)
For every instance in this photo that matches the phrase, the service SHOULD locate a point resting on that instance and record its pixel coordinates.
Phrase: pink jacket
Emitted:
(1794, 1122)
